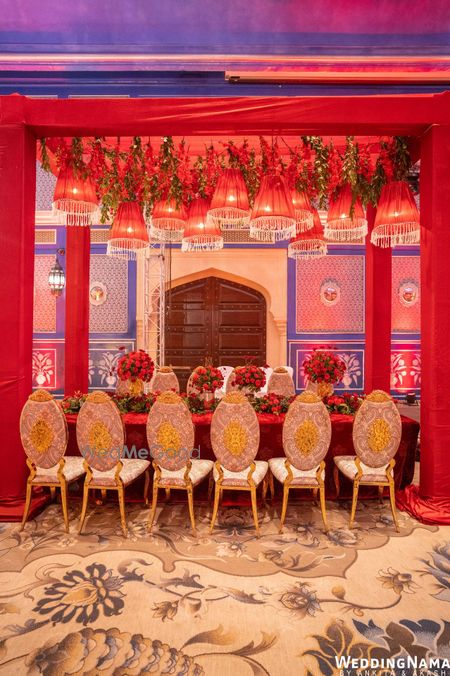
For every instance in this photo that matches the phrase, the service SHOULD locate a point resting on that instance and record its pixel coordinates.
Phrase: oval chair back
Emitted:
(377, 430)
(281, 382)
(100, 432)
(226, 372)
(43, 430)
(230, 387)
(164, 379)
(190, 387)
(170, 432)
(235, 432)
(306, 431)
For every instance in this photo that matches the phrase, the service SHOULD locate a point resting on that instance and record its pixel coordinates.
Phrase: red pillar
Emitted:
(17, 200)
(78, 241)
(431, 502)
(377, 360)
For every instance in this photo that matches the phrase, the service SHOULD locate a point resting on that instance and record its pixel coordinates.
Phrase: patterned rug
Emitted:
(170, 603)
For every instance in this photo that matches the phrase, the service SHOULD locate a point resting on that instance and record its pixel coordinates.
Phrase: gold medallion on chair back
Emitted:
(306, 432)
(281, 383)
(170, 432)
(235, 432)
(100, 432)
(377, 430)
(43, 429)
(163, 381)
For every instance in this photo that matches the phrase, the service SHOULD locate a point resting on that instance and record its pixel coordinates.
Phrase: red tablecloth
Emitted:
(271, 446)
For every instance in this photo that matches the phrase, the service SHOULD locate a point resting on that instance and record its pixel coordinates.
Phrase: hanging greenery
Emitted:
(147, 173)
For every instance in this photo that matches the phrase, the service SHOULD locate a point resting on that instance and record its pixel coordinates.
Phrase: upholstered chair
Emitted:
(190, 387)
(306, 439)
(377, 430)
(170, 437)
(235, 442)
(44, 434)
(101, 439)
(281, 382)
(229, 387)
(164, 379)
(268, 372)
(226, 371)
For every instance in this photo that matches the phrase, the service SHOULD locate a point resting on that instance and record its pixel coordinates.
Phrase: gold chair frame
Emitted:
(119, 487)
(357, 482)
(252, 487)
(60, 483)
(287, 486)
(188, 487)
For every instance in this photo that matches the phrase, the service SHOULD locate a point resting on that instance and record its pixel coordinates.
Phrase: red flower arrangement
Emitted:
(249, 377)
(136, 365)
(272, 403)
(347, 403)
(207, 378)
(324, 366)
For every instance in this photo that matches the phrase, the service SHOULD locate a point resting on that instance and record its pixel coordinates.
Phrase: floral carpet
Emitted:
(226, 603)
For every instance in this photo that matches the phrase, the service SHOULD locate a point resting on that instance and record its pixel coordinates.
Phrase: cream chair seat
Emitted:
(241, 478)
(199, 470)
(300, 477)
(71, 471)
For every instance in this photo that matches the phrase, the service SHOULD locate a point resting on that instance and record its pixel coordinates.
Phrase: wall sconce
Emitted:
(57, 276)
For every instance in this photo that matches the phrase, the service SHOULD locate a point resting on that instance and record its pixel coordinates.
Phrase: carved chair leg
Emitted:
(380, 494)
(272, 485)
(255, 510)
(393, 508)
(217, 495)
(64, 504)
(27, 504)
(354, 501)
(84, 507)
(154, 503)
(210, 486)
(265, 486)
(336, 480)
(284, 507)
(146, 485)
(53, 493)
(322, 506)
(190, 493)
(167, 494)
(123, 520)
(315, 493)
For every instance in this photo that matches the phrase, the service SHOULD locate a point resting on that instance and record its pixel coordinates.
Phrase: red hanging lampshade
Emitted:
(128, 237)
(168, 221)
(272, 217)
(397, 220)
(75, 200)
(346, 221)
(229, 205)
(201, 234)
(304, 218)
(309, 243)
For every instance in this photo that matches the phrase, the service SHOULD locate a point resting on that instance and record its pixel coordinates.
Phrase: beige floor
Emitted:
(222, 604)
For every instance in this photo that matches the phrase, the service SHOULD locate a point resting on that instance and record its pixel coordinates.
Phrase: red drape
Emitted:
(432, 502)
(17, 199)
(377, 357)
(77, 309)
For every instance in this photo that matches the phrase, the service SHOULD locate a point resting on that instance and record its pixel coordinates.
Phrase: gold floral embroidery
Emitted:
(280, 369)
(379, 435)
(40, 396)
(169, 398)
(98, 397)
(99, 437)
(235, 398)
(306, 437)
(169, 438)
(308, 397)
(378, 396)
(165, 369)
(235, 438)
(41, 436)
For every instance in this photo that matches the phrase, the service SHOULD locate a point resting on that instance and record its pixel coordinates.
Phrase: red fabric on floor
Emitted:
(426, 510)
(271, 445)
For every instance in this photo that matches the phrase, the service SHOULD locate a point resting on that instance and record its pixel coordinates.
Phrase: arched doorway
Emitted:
(217, 318)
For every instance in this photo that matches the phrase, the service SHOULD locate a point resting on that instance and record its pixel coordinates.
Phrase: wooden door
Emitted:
(215, 318)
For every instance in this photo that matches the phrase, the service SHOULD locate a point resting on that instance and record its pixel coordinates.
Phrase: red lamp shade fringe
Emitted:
(229, 208)
(397, 220)
(309, 243)
(74, 200)
(129, 236)
(303, 211)
(343, 224)
(168, 221)
(201, 234)
(273, 217)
